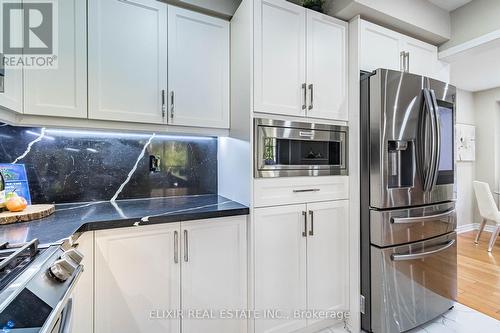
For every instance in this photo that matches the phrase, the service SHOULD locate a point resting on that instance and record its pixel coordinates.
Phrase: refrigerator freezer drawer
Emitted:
(412, 284)
(389, 228)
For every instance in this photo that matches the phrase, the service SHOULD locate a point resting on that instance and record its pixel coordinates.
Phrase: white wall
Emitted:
(465, 170)
(487, 117)
(473, 20)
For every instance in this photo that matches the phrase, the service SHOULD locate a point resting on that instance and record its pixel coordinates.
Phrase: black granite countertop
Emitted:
(73, 219)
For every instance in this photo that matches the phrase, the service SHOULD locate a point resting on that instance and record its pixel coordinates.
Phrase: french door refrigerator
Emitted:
(408, 218)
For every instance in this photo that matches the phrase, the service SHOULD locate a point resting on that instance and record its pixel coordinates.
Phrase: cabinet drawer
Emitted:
(286, 191)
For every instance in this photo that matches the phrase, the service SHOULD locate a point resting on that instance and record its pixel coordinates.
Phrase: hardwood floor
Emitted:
(479, 274)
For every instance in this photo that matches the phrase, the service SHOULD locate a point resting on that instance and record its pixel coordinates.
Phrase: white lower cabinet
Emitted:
(214, 273)
(143, 273)
(280, 266)
(327, 249)
(83, 303)
(136, 273)
(300, 262)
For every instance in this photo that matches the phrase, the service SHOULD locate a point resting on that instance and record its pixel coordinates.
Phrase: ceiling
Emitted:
(450, 5)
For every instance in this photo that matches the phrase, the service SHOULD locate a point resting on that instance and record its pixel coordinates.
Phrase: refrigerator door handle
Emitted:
(437, 140)
(427, 165)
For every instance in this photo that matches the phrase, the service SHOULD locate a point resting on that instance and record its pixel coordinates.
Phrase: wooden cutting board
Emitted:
(33, 212)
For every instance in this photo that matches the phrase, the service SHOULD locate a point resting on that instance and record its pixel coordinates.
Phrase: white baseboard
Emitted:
(474, 226)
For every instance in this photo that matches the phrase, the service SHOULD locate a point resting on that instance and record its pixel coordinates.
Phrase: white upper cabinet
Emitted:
(214, 272)
(62, 91)
(384, 48)
(380, 48)
(327, 265)
(300, 59)
(326, 67)
(137, 271)
(422, 57)
(11, 97)
(198, 69)
(280, 58)
(280, 265)
(127, 51)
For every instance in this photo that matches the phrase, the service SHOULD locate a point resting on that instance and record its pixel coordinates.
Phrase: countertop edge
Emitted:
(136, 222)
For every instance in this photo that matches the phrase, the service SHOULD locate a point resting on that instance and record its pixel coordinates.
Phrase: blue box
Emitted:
(16, 179)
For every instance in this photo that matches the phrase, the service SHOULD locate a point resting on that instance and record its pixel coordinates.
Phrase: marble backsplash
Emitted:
(79, 166)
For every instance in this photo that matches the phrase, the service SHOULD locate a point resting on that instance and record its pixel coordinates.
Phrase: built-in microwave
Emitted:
(289, 148)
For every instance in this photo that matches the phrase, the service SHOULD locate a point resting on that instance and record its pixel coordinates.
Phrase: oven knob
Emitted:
(73, 254)
(62, 269)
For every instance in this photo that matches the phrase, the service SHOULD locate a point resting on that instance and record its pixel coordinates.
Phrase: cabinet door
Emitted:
(423, 57)
(327, 254)
(198, 68)
(83, 294)
(12, 96)
(280, 64)
(280, 266)
(62, 91)
(214, 272)
(127, 50)
(443, 71)
(136, 274)
(326, 67)
(380, 48)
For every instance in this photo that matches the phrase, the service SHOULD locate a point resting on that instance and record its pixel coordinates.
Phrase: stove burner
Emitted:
(14, 258)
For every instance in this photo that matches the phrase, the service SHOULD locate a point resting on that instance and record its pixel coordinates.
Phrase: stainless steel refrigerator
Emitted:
(408, 218)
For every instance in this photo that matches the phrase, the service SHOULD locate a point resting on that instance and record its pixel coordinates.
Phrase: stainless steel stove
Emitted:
(35, 287)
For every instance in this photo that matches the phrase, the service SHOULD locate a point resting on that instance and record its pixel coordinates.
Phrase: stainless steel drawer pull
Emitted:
(304, 88)
(186, 246)
(172, 105)
(403, 220)
(306, 134)
(311, 215)
(413, 256)
(307, 190)
(304, 233)
(176, 247)
(311, 88)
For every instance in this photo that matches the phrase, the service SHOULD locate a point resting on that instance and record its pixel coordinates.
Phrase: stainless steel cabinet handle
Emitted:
(311, 215)
(413, 256)
(163, 106)
(304, 233)
(186, 246)
(311, 88)
(403, 220)
(402, 61)
(176, 247)
(307, 190)
(304, 89)
(172, 105)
